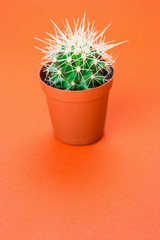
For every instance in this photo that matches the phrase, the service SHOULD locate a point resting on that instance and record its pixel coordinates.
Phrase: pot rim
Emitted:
(75, 91)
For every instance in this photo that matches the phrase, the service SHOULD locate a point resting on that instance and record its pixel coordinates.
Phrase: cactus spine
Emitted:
(77, 60)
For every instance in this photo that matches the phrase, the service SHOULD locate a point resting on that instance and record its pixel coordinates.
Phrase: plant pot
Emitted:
(78, 117)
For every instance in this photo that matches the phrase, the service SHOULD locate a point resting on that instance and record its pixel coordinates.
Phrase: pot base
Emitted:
(78, 143)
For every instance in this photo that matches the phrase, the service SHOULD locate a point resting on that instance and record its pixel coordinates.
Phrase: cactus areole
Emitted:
(77, 59)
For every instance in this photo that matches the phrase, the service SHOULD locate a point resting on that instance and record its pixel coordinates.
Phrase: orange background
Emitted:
(109, 190)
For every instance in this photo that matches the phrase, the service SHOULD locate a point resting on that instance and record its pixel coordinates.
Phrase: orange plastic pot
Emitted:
(78, 117)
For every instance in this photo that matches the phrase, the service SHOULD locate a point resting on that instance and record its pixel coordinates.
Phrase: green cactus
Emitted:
(77, 70)
(76, 61)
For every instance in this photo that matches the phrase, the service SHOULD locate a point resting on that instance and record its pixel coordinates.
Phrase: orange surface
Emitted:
(108, 190)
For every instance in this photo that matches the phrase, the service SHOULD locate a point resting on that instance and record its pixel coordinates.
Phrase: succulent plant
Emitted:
(77, 59)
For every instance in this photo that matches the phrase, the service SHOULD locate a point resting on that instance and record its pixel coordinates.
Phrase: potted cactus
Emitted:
(76, 77)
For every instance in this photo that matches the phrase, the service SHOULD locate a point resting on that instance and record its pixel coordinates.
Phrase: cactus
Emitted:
(77, 60)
